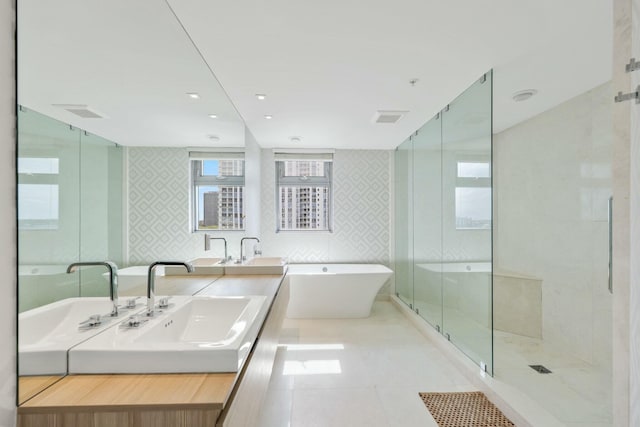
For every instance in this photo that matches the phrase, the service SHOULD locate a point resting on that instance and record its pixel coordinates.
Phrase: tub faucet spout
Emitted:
(113, 280)
(151, 286)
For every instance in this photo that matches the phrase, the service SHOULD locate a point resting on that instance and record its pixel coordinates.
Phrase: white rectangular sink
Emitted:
(195, 334)
(201, 266)
(47, 332)
(258, 265)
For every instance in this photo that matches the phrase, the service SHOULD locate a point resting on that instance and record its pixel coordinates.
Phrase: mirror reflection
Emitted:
(94, 84)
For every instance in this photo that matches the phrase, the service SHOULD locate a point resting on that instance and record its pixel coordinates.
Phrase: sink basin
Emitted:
(201, 266)
(195, 334)
(47, 332)
(258, 265)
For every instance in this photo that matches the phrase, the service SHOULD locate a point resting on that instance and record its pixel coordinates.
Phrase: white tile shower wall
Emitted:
(634, 397)
(159, 207)
(552, 180)
(7, 217)
(625, 381)
(361, 208)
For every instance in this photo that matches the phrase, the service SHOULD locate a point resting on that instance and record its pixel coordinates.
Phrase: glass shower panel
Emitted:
(48, 214)
(100, 211)
(427, 221)
(467, 221)
(404, 220)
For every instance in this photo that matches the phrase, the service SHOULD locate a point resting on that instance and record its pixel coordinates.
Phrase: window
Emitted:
(217, 191)
(473, 195)
(303, 191)
(38, 198)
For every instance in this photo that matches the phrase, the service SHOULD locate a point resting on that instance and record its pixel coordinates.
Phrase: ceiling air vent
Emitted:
(387, 116)
(80, 110)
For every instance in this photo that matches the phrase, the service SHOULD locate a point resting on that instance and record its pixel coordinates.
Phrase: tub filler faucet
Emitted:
(113, 280)
(242, 256)
(151, 286)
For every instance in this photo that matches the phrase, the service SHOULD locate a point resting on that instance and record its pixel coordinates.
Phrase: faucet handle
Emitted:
(131, 303)
(93, 321)
(164, 302)
(133, 321)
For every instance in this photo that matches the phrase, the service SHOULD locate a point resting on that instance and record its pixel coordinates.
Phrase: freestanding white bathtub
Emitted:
(334, 291)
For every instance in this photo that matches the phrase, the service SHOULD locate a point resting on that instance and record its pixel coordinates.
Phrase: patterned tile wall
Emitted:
(159, 210)
(361, 202)
(158, 206)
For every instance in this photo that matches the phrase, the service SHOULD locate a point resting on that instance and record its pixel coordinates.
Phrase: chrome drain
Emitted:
(540, 369)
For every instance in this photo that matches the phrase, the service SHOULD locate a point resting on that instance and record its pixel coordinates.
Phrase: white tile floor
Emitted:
(356, 372)
(576, 393)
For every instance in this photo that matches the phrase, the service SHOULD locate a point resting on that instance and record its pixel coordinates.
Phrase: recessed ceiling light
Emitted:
(261, 96)
(295, 139)
(523, 95)
(213, 116)
(214, 138)
(268, 116)
(193, 95)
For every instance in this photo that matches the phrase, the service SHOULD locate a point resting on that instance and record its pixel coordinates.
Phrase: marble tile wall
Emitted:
(551, 214)
(634, 299)
(624, 381)
(7, 216)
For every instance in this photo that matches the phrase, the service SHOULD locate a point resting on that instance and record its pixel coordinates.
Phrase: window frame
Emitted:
(325, 181)
(198, 179)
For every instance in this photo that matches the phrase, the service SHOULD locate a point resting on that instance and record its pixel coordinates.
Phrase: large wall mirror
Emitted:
(93, 79)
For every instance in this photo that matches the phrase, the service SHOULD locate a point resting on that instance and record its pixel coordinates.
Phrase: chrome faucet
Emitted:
(242, 256)
(151, 286)
(207, 244)
(113, 280)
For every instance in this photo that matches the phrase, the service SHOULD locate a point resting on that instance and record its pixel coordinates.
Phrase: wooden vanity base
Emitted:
(129, 400)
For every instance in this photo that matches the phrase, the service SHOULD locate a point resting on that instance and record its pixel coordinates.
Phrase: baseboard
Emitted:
(383, 297)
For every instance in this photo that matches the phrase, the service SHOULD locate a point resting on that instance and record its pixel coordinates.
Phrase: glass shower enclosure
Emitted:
(444, 222)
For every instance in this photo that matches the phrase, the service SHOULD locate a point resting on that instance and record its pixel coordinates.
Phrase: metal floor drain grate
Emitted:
(540, 369)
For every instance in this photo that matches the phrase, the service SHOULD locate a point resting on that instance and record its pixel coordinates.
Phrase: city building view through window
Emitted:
(304, 194)
(218, 186)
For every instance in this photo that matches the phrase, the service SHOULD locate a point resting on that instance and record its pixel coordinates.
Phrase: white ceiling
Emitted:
(326, 67)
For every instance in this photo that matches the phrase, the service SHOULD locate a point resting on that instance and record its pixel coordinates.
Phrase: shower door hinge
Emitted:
(398, 294)
(437, 115)
(445, 109)
(629, 96)
(417, 310)
(448, 336)
(633, 65)
(483, 78)
(411, 306)
(438, 328)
